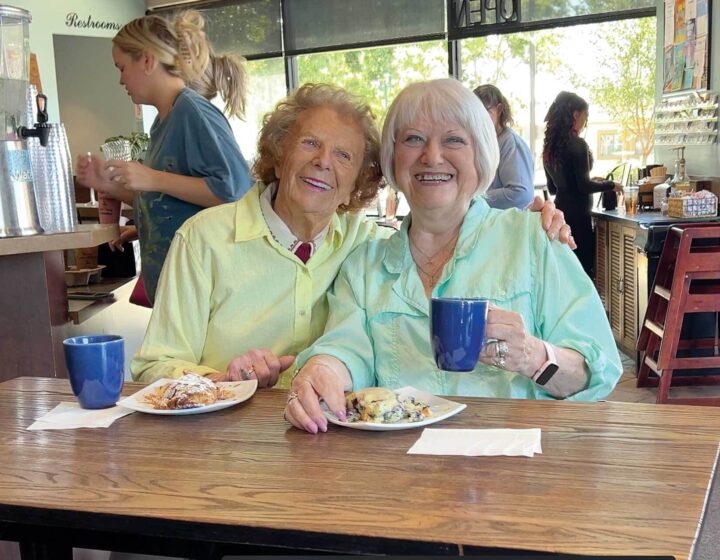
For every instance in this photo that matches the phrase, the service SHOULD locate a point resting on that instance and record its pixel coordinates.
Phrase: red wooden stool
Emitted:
(687, 281)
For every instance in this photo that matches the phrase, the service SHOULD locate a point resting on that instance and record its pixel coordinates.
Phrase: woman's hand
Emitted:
(132, 175)
(322, 377)
(553, 221)
(89, 173)
(513, 349)
(258, 363)
(617, 187)
(127, 233)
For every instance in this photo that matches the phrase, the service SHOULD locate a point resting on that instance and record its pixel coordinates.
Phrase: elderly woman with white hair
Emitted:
(440, 149)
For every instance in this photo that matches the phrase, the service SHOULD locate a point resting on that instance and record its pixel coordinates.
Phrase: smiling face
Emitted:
(321, 159)
(132, 74)
(434, 166)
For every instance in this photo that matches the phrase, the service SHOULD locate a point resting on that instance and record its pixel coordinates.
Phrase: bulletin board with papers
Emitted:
(686, 45)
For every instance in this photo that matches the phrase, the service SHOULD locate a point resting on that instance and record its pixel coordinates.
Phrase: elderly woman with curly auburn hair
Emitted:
(244, 286)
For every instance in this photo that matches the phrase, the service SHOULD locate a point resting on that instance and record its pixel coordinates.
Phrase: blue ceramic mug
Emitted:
(457, 331)
(96, 367)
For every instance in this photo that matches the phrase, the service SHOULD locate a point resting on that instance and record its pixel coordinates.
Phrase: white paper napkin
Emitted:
(474, 443)
(69, 416)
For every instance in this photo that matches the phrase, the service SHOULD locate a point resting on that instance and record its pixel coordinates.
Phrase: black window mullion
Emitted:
(521, 26)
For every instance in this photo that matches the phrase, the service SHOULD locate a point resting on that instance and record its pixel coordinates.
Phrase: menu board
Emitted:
(685, 45)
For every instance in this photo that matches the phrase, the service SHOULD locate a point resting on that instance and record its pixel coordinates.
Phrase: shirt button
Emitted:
(302, 313)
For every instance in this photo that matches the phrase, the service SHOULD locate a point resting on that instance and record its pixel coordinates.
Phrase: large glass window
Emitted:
(611, 65)
(266, 87)
(251, 27)
(378, 74)
(323, 24)
(535, 10)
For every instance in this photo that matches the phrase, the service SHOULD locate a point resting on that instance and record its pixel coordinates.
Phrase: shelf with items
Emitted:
(687, 119)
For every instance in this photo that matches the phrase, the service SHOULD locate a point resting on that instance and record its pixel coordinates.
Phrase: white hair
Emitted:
(442, 101)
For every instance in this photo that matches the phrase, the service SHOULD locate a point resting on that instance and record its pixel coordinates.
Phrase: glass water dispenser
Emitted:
(18, 211)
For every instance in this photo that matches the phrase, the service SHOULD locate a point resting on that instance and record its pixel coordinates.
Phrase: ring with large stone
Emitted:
(502, 349)
(292, 396)
(247, 374)
(501, 352)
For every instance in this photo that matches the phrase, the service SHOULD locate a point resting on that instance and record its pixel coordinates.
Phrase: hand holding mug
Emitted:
(509, 345)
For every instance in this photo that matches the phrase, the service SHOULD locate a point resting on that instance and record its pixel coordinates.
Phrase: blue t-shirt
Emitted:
(513, 185)
(195, 140)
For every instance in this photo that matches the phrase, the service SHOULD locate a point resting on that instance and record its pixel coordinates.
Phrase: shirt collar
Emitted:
(279, 229)
(398, 245)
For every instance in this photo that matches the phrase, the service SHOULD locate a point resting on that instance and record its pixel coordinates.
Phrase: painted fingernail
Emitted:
(312, 428)
(340, 415)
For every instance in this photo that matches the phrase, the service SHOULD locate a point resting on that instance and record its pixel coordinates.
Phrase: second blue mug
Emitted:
(457, 332)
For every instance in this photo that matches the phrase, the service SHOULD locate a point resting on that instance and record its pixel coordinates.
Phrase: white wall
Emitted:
(49, 18)
(93, 105)
(701, 161)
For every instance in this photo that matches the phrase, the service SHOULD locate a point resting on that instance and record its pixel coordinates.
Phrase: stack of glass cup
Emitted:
(52, 174)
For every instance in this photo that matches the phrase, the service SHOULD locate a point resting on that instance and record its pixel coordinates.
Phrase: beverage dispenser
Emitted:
(18, 210)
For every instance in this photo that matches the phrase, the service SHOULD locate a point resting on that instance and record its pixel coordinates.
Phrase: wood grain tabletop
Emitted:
(613, 478)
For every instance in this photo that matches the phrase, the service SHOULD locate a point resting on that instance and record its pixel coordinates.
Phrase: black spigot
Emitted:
(41, 129)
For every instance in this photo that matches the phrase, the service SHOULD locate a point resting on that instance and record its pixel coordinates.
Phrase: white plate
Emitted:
(439, 410)
(241, 390)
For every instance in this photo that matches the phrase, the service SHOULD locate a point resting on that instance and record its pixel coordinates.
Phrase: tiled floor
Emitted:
(626, 391)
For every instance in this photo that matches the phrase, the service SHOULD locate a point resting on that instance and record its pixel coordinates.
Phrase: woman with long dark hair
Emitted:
(567, 160)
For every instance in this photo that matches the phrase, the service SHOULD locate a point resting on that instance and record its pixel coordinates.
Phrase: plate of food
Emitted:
(380, 409)
(189, 394)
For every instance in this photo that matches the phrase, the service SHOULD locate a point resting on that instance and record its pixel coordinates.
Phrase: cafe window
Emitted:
(251, 27)
(598, 61)
(609, 144)
(313, 25)
(266, 86)
(472, 18)
(377, 74)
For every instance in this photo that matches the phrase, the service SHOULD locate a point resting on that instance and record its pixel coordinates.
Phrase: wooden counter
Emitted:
(86, 235)
(627, 248)
(33, 299)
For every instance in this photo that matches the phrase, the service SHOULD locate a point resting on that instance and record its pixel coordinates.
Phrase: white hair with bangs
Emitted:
(442, 101)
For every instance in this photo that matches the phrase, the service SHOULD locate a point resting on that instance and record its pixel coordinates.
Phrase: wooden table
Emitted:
(613, 479)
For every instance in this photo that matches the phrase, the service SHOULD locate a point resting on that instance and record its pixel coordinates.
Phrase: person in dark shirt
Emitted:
(567, 160)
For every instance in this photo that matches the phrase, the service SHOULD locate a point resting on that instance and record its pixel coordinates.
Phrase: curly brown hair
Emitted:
(559, 128)
(278, 123)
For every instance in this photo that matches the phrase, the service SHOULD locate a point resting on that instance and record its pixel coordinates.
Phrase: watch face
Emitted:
(546, 375)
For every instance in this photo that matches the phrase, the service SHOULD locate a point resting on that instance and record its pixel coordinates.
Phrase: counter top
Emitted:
(86, 235)
(646, 218)
(651, 226)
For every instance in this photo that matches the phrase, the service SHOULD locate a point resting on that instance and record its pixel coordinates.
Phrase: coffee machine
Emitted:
(18, 209)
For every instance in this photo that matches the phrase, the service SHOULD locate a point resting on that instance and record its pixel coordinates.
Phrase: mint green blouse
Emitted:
(378, 321)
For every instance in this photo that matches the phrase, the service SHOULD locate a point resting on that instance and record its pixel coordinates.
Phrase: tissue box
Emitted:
(695, 205)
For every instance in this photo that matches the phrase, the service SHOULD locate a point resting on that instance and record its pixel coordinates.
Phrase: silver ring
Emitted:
(501, 353)
(247, 374)
(292, 396)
